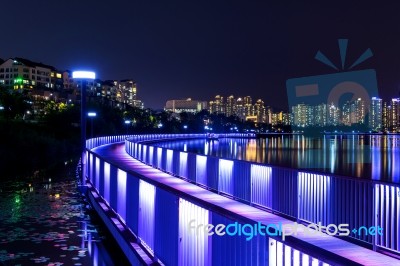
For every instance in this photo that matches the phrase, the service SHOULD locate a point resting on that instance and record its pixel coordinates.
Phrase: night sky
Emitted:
(179, 49)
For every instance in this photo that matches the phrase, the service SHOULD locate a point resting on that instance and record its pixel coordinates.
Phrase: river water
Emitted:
(374, 157)
(50, 223)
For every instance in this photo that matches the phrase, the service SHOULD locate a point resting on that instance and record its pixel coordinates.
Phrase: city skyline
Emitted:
(194, 50)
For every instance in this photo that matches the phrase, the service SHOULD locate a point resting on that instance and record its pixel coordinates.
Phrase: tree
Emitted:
(14, 104)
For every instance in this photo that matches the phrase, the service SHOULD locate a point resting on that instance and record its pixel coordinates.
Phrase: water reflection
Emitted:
(50, 223)
(370, 156)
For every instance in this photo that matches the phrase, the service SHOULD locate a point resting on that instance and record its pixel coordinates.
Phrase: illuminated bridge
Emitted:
(149, 197)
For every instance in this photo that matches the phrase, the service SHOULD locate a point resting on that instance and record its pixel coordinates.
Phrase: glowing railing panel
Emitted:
(314, 197)
(147, 193)
(107, 173)
(261, 185)
(121, 200)
(387, 209)
(201, 169)
(225, 182)
(193, 246)
(183, 167)
(169, 161)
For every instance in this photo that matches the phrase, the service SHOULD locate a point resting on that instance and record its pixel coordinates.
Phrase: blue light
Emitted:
(91, 114)
(185, 126)
(83, 75)
(127, 122)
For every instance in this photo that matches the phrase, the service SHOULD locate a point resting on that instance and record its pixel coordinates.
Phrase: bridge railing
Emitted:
(159, 219)
(299, 194)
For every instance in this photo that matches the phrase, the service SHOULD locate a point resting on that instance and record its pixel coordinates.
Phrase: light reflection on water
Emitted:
(50, 224)
(365, 156)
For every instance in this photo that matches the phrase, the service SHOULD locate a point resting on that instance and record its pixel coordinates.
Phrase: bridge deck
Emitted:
(331, 248)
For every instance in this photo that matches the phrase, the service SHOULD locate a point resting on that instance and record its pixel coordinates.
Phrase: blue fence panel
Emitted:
(107, 174)
(261, 185)
(225, 176)
(176, 162)
(235, 249)
(182, 162)
(212, 172)
(314, 194)
(285, 182)
(132, 203)
(352, 203)
(113, 187)
(387, 209)
(201, 169)
(166, 227)
(191, 167)
(242, 180)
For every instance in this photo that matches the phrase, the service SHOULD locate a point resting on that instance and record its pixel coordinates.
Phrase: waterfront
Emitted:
(363, 156)
(50, 223)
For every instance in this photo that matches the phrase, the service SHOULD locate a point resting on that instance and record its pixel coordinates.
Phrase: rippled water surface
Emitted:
(374, 157)
(52, 224)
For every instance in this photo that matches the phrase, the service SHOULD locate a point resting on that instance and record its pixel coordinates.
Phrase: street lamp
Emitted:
(83, 77)
(127, 123)
(92, 115)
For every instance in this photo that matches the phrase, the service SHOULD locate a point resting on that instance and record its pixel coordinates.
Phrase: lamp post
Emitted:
(127, 123)
(83, 77)
(92, 115)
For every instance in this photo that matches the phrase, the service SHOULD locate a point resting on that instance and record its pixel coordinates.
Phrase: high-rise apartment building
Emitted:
(123, 91)
(230, 108)
(301, 115)
(333, 115)
(217, 106)
(260, 111)
(320, 115)
(394, 116)
(375, 114)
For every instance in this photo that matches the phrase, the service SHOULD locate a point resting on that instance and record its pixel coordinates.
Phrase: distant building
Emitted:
(188, 105)
(375, 114)
(300, 115)
(230, 108)
(248, 106)
(19, 73)
(333, 115)
(394, 115)
(260, 111)
(242, 107)
(385, 116)
(121, 93)
(127, 92)
(217, 106)
(320, 115)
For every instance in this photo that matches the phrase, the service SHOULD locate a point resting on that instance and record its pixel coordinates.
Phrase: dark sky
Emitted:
(178, 49)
